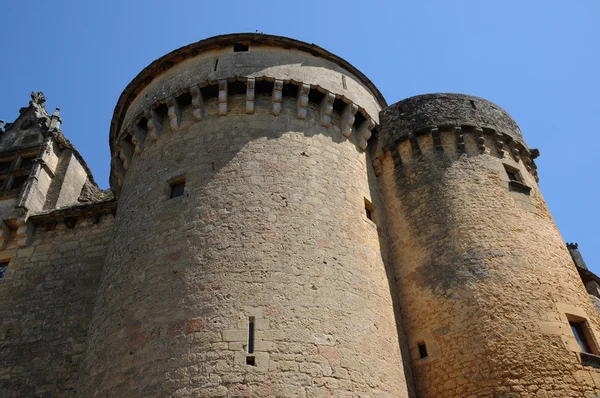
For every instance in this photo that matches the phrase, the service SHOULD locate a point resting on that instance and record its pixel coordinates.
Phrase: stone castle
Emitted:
(274, 229)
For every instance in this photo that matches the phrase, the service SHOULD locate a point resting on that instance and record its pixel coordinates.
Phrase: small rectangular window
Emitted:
(250, 360)
(515, 180)
(370, 211)
(513, 173)
(177, 189)
(239, 47)
(512, 176)
(578, 329)
(423, 350)
(3, 266)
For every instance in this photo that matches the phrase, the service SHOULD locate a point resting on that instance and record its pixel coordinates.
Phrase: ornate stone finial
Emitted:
(37, 98)
(55, 120)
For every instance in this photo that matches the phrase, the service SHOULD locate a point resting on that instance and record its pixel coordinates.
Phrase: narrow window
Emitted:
(3, 266)
(370, 211)
(250, 359)
(579, 333)
(251, 336)
(177, 188)
(423, 350)
(239, 47)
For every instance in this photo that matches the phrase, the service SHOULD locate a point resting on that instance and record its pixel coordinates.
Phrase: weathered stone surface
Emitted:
(425, 112)
(46, 301)
(485, 280)
(269, 227)
(348, 249)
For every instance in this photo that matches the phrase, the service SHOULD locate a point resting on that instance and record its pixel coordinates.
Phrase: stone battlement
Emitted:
(453, 141)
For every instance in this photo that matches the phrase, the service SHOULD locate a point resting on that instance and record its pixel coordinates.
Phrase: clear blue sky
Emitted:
(537, 59)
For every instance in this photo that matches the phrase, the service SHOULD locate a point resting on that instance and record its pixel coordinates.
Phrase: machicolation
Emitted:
(274, 228)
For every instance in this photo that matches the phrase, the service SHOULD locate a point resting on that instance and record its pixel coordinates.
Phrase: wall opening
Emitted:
(236, 87)
(289, 90)
(359, 118)
(184, 99)
(579, 332)
(251, 335)
(315, 96)
(162, 109)
(177, 187)
(339, 105)
(240, 47)
(370, 213)
(423, 350)
(515, 180)
(210, 91)
(143, 124)
(513, 173)
(263, 87)
(3, 267)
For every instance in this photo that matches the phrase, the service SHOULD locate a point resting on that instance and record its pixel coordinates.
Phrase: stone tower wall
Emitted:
(271, 229)
(486, 283)
(46, 301)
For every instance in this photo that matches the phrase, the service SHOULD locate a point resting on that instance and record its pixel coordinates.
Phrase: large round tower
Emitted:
(491, 301)
(246, 259)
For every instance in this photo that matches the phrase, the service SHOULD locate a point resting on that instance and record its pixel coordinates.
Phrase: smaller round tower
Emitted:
(488, 292)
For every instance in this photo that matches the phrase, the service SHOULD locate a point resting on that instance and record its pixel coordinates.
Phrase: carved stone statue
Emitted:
(38, 98)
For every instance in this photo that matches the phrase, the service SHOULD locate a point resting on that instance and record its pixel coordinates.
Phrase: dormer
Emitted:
(40, 170)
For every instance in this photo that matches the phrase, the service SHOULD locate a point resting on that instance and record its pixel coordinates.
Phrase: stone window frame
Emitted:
(588, 333)
(15, 170)
(577, 315)
(174, 181)
(518, 183)
(370, 207)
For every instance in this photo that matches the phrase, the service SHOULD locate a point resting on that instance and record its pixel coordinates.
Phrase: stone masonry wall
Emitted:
(272, 227)
(46, 300)
(485, 280)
